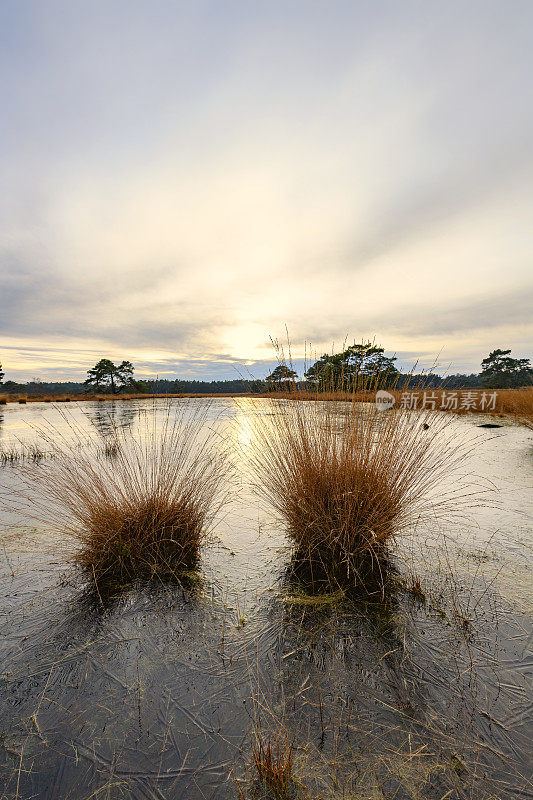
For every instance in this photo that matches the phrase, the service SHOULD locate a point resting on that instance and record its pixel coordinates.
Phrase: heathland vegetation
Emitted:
(140, 506)
(345, 479)
(353, 373)
(351, 367)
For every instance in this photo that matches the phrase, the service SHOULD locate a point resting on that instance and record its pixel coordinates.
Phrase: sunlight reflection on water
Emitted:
(156, 694)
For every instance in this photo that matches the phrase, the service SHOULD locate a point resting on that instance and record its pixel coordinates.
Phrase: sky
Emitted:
(182, 181)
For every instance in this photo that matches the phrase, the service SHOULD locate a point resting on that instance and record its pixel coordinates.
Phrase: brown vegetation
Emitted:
(513, 404)
(519, 404)
(272, 765)
(143, 503)
(14, 454)
(347, 478)
(82, 397)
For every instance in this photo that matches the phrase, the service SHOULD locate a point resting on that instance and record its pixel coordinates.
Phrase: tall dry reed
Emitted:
(519, 404)
(347, 478)
(272, 766)
(144, 502)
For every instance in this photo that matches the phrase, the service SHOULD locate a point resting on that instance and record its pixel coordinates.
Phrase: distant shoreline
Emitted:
(74, 397)
(514, 404)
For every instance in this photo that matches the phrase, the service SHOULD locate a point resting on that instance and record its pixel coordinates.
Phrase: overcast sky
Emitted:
(180, 180)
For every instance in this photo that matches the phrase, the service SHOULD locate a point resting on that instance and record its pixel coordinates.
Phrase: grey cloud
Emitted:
(433, 202)
(509, 307)
(482, 313)
(37, 303)
(415, 116)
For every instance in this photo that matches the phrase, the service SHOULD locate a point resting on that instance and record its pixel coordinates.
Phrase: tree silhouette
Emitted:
(107, 376)
(356, 365)
(500, 371)
(280, 378)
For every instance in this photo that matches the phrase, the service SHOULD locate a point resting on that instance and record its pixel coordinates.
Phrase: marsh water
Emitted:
(155, 691)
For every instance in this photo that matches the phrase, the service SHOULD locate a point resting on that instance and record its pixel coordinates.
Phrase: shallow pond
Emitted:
(156, 691)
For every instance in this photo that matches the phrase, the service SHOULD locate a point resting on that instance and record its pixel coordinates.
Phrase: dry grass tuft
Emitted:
(144, 503)
(272, 764)
(347, 478)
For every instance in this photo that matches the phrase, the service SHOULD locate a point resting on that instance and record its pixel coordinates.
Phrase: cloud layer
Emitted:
(183, 180)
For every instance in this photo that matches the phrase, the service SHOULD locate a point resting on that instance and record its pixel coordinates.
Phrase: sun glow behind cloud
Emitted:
(181, 184)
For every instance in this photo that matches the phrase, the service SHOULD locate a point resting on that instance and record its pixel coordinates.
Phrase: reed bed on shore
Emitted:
(145, 510)
(347, 478)
(89, 397)
(513, 404)
(519, 404)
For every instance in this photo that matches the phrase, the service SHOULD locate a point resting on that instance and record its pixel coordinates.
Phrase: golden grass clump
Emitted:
(519, 403)
(272, 765)
(142, 504)
(347, 478)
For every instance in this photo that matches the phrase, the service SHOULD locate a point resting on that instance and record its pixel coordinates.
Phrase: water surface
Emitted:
(155, 693)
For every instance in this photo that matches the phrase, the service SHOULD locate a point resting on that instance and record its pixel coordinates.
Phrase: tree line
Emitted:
(366, 366)
(357, 365)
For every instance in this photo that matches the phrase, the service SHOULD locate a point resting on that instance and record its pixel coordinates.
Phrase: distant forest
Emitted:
(239, 386)
(358, 365)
